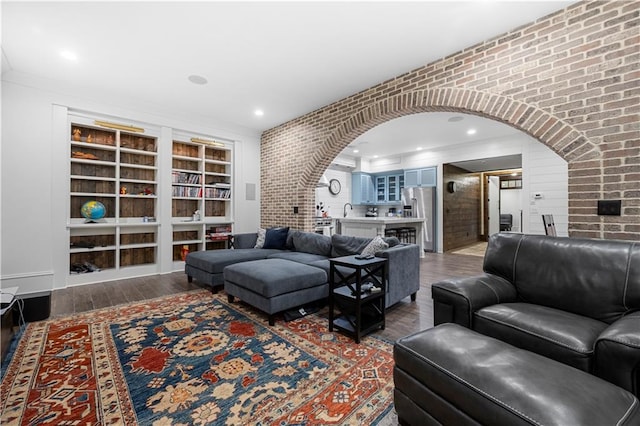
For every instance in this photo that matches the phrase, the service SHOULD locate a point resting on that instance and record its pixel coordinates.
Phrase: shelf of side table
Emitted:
(350, 310)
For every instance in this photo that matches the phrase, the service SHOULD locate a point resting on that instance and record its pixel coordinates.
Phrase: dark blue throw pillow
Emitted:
(276, 238)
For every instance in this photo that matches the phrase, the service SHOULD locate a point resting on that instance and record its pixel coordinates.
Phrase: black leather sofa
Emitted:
(576, 301)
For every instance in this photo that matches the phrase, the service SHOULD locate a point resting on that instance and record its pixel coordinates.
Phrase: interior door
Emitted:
(494, 204)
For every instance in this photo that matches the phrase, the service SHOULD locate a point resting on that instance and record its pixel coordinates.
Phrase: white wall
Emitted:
(31, 228)
(334, 204)
(546, 174)
(511, 203)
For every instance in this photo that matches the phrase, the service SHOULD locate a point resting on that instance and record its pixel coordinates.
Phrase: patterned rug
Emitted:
(194, 359)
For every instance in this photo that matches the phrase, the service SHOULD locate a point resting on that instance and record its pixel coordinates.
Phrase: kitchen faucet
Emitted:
(344, 209)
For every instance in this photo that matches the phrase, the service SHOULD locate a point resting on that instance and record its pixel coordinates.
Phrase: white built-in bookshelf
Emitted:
(201, 184)
(151, 181)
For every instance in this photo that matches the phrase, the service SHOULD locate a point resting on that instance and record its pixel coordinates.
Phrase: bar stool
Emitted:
(390, 232)
(407, 235)
(413, 235)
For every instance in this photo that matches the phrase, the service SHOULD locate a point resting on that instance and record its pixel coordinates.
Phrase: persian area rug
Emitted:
(194, 359)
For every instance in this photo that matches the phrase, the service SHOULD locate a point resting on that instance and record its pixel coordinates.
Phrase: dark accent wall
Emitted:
(461, 209)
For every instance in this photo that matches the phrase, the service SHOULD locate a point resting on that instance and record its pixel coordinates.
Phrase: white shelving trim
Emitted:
(80, 177)
(93, 162)
(92, 194)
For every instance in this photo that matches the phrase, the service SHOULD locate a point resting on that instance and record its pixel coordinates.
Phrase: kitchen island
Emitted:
(372, 226)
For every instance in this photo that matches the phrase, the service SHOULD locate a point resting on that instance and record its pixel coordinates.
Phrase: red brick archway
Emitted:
(561, 137)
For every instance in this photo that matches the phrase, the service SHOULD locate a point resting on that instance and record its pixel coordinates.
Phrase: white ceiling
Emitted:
(426, 131)
(286, 58)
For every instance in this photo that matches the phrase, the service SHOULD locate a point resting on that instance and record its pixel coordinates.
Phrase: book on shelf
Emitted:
(219, 236)
(220, 229)
(187, 191)
(183, 177)
(217, 193)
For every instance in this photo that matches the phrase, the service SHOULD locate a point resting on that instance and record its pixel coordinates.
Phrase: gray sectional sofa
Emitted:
(305, 249)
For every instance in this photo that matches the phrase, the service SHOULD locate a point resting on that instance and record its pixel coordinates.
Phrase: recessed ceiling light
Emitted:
(419, 148)
(197, 79)
(69, 55)
(375, 156)
(455, 119)
(471, 131)
(356, 151)
(259, 112)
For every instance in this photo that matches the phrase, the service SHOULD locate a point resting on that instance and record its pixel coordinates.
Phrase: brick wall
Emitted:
(571, 80)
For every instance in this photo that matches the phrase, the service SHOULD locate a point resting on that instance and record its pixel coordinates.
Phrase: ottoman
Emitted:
(454, 376)
(275, 285)
(207, 266)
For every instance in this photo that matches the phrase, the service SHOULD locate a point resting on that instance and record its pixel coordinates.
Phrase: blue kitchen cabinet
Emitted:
(420, 177)
(381, 189)
(395, 184)
(363, 191)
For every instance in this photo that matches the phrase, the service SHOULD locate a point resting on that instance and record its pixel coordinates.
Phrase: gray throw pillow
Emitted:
(261, 236)
(375, 246)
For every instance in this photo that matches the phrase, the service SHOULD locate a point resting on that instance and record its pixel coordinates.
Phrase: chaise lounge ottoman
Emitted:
(451, 375)
(207, 266)
(275, 285)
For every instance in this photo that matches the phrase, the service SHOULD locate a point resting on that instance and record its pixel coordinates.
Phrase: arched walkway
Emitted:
(560, 136)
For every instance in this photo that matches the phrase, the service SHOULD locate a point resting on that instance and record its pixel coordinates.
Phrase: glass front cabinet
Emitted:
(374, 189)
(395, 184)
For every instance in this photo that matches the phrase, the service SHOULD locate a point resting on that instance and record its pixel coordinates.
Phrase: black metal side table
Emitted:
(352, 309)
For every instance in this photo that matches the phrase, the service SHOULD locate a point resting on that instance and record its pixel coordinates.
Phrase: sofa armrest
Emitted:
(246, 240)
(618, 353)
(455, 300)
(403, 272)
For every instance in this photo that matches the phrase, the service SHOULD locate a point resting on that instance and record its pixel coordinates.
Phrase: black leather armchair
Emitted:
(573, 300)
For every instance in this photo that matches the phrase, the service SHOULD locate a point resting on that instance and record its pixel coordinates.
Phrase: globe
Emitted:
(93, 210)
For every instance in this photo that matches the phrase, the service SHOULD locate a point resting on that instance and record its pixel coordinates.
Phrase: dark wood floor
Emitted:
(404, 318)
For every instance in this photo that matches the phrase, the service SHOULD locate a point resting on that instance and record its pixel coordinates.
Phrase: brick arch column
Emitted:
(560, 136)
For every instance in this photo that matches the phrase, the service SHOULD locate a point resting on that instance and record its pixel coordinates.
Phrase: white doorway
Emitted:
(494, 204)
(511, 203)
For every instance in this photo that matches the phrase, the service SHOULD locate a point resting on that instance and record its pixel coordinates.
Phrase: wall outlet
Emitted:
(609, 207)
